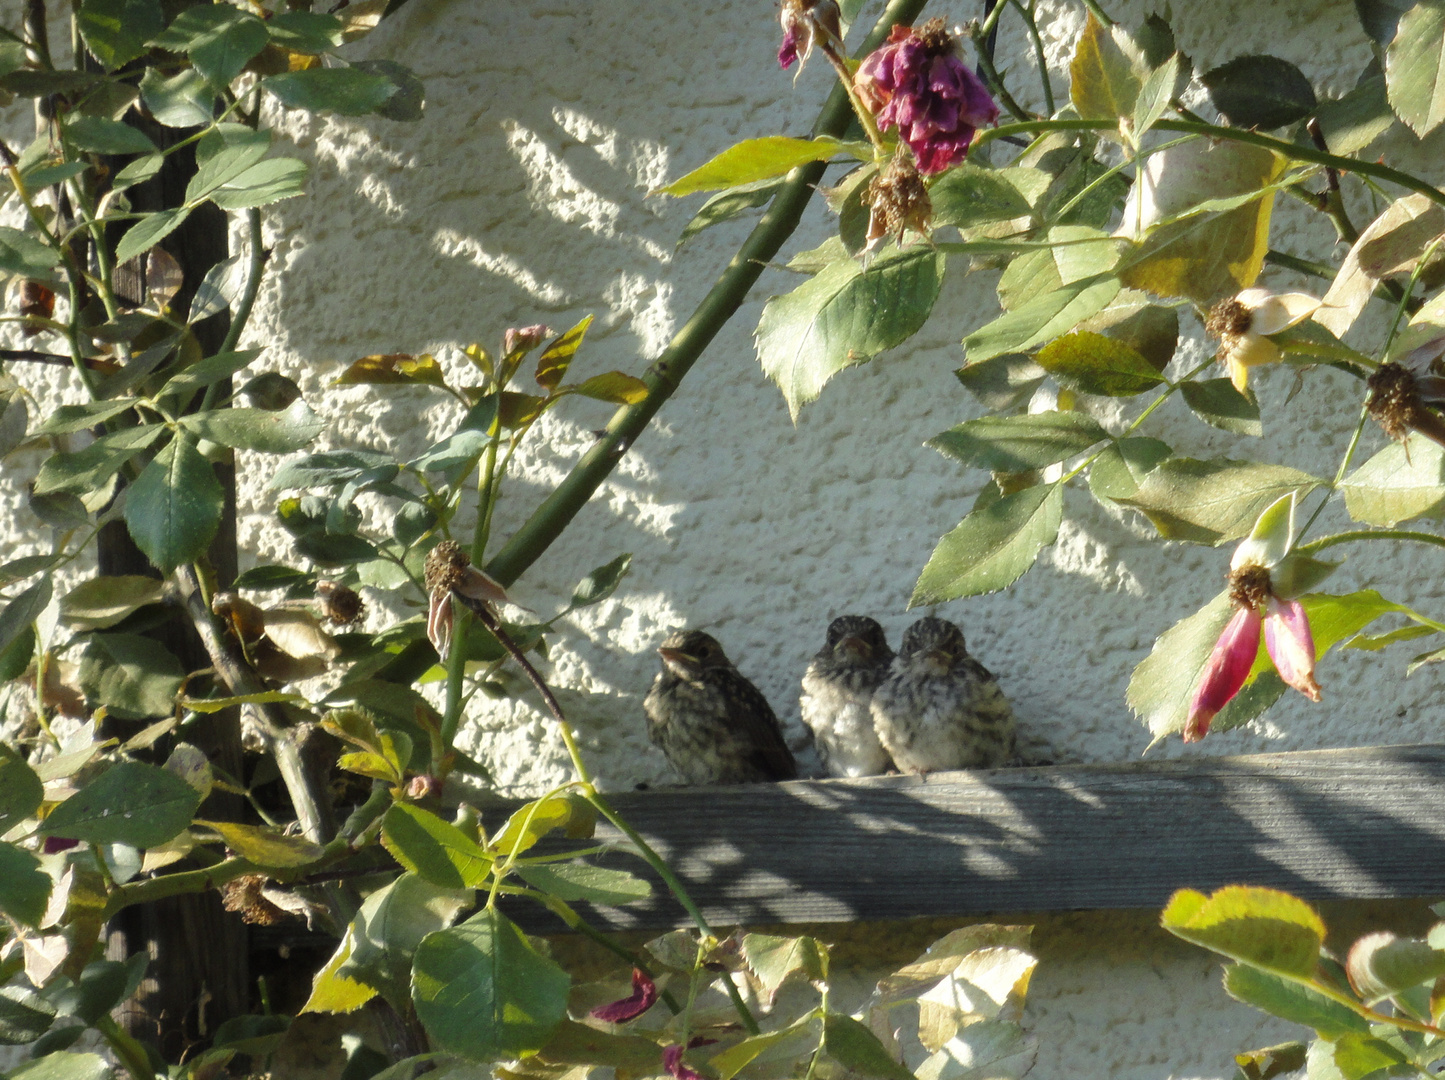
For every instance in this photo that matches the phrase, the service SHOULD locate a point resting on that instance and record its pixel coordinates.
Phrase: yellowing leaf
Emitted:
(1102, 84)
(557, 357)
(267, 848)
(332, 992)
(389, 368)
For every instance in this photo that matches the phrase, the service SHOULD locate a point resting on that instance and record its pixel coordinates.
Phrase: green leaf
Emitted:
(1162, 686)
(184, 100)
(1413, 67)
(387, 930)
(267, 848)
(1210, 502)
(1290, 1001)
(130, 803)
(579, 1044)
(1042, 319)
(1358, 1056)
(70, 418)
(437, 850)
(174, 507)
(1155, 95)
(21, 791)
(601, 582)
(614, 386)
(773, 959)
(257, 429)
(134, 676)
(1351, 123)
(580, 881)
(1019, 443)
(25, 255)
(968, 195)
(102, 135)
(332, 992)
(348, 91)
(223, 155)
(1002, 383)
(333, 469)
(83, 471)
(24, 1015)
(1401, 482)
(1094, 364)
(482, 991)
(992, 547)
(845, 315)
(556, 358)
(138, 171)
(149, 231)
(24, 887)
(116, 31)
(264, 183)
(305, 31)
(1271, 1061)
(1218, 403)
(22, 610)
(219, 38)
(1263, 928)
(1259, 92)
(205, 372)
(1119, 469)
(726, 205)
(103, 601)
(857, 1049)
(1102, 83)
(534, 820)
(737, 1057)
(755, 159)
(1381, 965)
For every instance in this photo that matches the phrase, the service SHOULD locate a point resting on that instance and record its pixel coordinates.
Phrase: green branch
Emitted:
(1293, 151)
(1353, 535)
(667, 372)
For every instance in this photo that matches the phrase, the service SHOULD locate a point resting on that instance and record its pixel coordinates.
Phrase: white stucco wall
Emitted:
(522, 198)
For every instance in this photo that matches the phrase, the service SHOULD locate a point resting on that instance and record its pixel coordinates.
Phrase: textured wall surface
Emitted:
(522, 197)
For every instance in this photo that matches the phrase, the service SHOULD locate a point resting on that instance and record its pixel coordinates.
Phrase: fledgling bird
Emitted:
(940, 708)
(837, 692)
(714, 726)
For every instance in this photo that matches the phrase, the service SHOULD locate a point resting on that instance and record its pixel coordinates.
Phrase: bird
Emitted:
(837, 692)
(713, 725)
(940, 708)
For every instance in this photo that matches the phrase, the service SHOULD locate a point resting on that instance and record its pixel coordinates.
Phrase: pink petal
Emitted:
(644, 996)
(1225, 672)
(672, 1060)
(788, 51)
(1291, 645)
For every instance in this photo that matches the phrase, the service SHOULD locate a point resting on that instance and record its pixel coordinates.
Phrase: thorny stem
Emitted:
(994, 79)
(668, 370)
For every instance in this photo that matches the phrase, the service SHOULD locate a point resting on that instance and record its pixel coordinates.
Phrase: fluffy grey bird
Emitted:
(714, 726)
(837, 691)
(940, 708)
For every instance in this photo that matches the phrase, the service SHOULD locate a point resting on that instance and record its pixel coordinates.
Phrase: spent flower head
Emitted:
(898, 200)
(918, 83)
(1244, 324)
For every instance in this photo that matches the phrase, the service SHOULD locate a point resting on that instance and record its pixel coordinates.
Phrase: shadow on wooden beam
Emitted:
(1331, 824)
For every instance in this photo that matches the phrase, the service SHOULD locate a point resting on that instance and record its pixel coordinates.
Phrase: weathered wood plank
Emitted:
(1335, 824)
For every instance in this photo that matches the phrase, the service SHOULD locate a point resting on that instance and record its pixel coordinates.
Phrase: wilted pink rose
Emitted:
(807, 23)
(1225, 672)
(1291, 645)
(673, 1063)
(644, 997)
(918, 83)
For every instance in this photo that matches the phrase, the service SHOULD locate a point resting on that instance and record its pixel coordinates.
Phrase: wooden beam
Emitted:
(1332, 824)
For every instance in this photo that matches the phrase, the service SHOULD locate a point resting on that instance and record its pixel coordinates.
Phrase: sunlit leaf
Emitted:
(174, 507)
(555, 359)
(1413, 66)
(992, 547)
(1019, 443)
(1094, 364)
(755, 159)
(393, 368)
(130, 803)
(1210, 502)
(1102, 83)
(1290, 1001)
(1401, 482)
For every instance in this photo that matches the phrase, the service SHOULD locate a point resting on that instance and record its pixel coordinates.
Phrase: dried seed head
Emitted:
(445, 566)
(1228, 318)
(1249, 586)
(341, 604)
(243, 895)
(935, 37)
(898, 200)
(1394, 400)
(247, 621)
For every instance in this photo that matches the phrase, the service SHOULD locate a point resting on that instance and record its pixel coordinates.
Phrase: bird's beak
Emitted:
(855, 648)
(678, 661)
